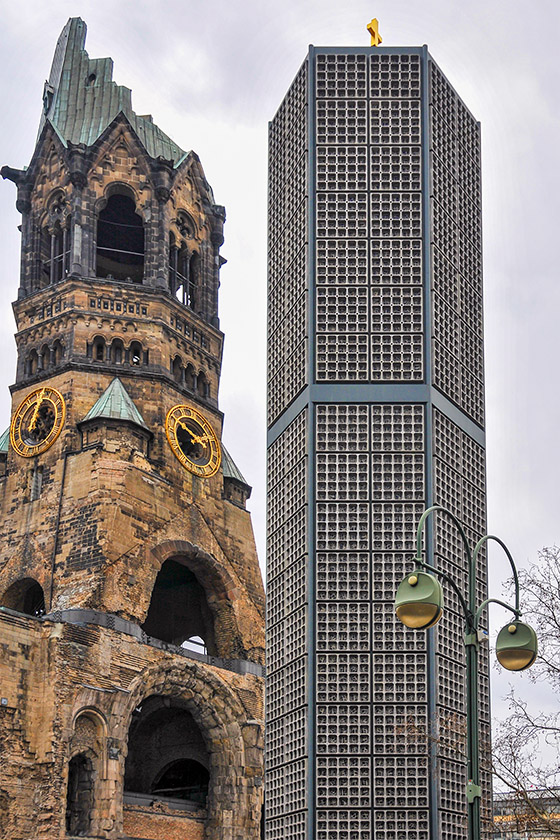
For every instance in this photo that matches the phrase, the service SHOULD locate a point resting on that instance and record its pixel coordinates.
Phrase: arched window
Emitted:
(79, 796)
(44, 357)
(120, 240)
(57, 352)
(99, 349)
(32, 363)
(190, 378)
(135, 353)
(202, 386)
(167, 756)
(177, 370)
(25, 596)
(117, 351)
(55, 252)
(179, 609)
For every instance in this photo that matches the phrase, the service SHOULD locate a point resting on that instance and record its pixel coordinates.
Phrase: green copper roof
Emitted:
(81, 99)
(230, 468)
(116, 404)
(5, 440)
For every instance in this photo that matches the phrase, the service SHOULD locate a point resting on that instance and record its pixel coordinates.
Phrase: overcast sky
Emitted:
(213, 72)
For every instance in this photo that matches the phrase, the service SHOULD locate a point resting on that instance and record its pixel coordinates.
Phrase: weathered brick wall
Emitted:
(141, 822)
(52, 672)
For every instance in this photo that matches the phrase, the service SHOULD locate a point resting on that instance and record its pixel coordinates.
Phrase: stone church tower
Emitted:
(131, 618)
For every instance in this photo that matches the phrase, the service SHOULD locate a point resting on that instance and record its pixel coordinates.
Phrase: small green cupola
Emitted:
(236, 489)
(113, 415)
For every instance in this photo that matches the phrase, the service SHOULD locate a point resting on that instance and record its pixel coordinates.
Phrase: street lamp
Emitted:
(419, 605)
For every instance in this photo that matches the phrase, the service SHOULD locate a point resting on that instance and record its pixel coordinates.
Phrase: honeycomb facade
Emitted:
(376, 411)
(131, 601)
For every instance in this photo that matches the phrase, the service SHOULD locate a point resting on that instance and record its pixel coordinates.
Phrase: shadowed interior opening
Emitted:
(120, 241)
(179, 608)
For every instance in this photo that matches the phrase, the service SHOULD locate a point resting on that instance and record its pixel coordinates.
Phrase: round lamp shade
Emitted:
(419, 601)
(516, 646)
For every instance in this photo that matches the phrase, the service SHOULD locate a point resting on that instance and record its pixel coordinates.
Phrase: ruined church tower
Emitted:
(131, 602)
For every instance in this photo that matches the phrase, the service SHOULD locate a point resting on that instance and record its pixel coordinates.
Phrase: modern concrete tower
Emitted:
(131, 601)
(376, 411)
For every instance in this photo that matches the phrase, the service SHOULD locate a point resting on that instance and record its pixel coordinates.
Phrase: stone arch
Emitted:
(185, 225)
(44, 357)
(95, 716)
(117, 351)
(217, 711)
(178, 370)
(98, 348)
(190, 377)
(54, 228)
(26, 596)
(87, 769)
(213, 592)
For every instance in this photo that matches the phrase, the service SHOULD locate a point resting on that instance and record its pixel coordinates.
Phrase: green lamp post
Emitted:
(419, 605)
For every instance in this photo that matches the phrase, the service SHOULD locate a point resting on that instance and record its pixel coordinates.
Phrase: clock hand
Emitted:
(36, 412)
(186, 428)
(200, 438)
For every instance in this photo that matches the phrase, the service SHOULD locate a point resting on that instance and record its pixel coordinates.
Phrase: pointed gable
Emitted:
(116, 404)
(5, 441)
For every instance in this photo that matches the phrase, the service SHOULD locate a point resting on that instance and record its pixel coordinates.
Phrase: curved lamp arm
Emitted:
(423, 518)
(517, 613)
(476, 551)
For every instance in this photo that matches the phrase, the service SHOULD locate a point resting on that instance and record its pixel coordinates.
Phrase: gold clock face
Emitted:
(193, 440)
(38, 422)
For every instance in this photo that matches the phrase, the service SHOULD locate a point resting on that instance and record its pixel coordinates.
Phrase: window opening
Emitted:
(79, 796)
(55, 253)
(195, 644)
(25, 596)
(44, 358)
(190, 378)
(57, 353)
(183, 274)
(99, 350)
(36, 483)
(177, 370)
(120, 241)
(135, 353)
(32, 363)
(179, 609)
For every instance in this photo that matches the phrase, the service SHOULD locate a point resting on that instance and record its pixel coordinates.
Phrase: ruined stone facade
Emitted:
(131, 617)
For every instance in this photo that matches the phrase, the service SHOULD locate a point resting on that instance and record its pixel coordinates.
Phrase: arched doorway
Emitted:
(167, 755)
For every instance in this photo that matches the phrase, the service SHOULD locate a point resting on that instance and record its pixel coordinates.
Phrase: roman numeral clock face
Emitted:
(37, 422)
(193, 440)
